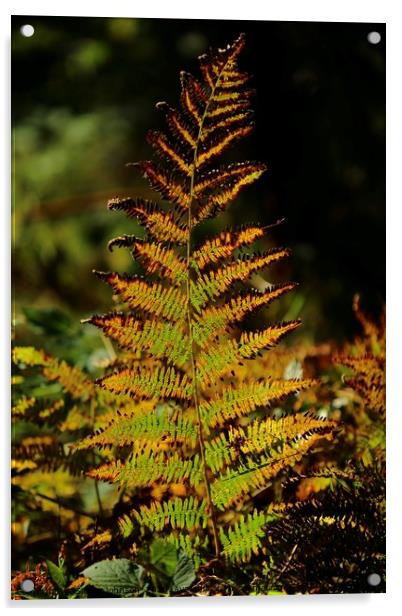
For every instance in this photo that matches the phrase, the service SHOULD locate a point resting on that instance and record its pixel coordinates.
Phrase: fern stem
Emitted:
(201, 440)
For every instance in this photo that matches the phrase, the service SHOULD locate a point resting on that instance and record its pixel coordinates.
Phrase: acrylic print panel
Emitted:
(189, 421)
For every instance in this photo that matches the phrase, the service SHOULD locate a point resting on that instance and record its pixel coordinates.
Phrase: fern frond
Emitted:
(367, 365)
(217, 282)
(161, 260)
(151, 430)
(216, 190)
(220, 357)
(244, 538)
(179, 513)
(253, 475)
(72, 379)
(179, 333)
(158, 383)
(34, 447)
(145, 469)
(160, 225)
(224, 245)
(263, 436)
(178, 125)
(159, 338)
(213, 320)
(152, 298)
(166, 184)
(169, 152)
(246, 397)
(190, 543)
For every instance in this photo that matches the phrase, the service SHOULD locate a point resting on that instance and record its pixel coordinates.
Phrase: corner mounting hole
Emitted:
(27, 30)
(374, 579)
(374, 38)
(27, 586)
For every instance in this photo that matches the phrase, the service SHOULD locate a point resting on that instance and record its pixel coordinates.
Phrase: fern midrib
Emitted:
(201, 441)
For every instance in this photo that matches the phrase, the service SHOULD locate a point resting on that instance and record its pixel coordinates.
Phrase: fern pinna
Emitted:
(208, 440)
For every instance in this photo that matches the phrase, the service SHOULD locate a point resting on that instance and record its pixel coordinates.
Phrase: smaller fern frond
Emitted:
(22, 407)
(72, 379)
(178, 513)
(254, 475)
(244, 538)
(29, 356)
(266, 435)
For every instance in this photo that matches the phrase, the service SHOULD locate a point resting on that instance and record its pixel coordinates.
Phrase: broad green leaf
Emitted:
(184, 574)
(121, 577)
(164, 557)
(57, 575)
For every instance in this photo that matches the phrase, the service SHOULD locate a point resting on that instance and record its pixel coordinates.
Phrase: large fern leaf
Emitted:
(182, 323)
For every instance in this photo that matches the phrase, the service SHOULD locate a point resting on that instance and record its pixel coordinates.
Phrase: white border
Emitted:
(368, 11)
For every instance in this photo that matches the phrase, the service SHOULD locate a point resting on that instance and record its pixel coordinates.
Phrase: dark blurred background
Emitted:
(83, 94)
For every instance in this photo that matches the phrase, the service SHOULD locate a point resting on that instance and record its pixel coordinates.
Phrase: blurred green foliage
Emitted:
(83, 97)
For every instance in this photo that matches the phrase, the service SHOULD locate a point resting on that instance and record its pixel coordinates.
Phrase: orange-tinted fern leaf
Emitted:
(220, 141)
(264, 436)
(160, 225)
(158, 383)
(160, 338)
(170, 187)
(246, 397)
(229, 123)
(157, 259)
(224, 245)
(207, 182)
(178, 125)
(193, 98)
(180, 128)
(169, 152)
(215, 319)
(367, 365)
(225, 118)
(144, 469)
(217, 282)
(213, 62)
(150, 297)
(254, 475)
(220, 357)
(149, 432)
(215, 194)
(71, 378)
